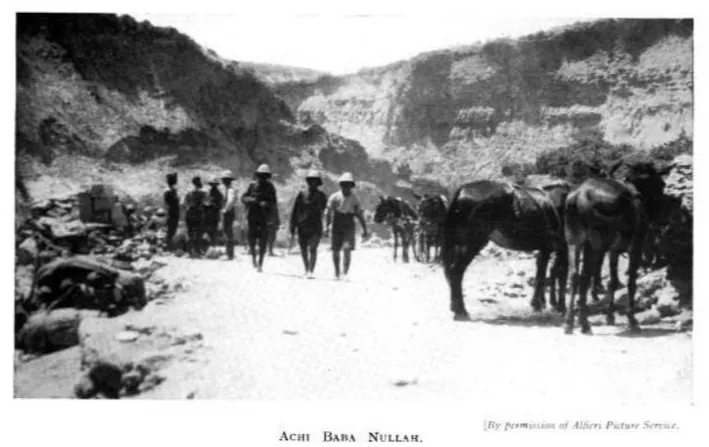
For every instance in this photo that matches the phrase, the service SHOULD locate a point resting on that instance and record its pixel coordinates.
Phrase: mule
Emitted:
(402, 218)
(432, 215)
(604, 215)
(513, 217)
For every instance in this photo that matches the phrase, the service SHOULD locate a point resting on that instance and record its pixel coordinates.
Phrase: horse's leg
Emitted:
(597, 277)
(590, 256)
(561, 278)
(439, 244)
(635, 253)
(396, 240)
(540, 280)
(405, 245)
(456, 258)
(612, 286)
(421, 241)
(574, 253)
(454, 274)
(554, 274)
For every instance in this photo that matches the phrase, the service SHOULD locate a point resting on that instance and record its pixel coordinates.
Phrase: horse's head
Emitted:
(432, 207)
(386, 207)
(647, 180)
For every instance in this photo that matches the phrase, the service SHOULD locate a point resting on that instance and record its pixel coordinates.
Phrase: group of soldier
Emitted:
(206, 210)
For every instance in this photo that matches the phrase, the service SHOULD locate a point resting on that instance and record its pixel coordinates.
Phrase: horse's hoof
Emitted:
(610, 320)
(568, 329)
(461, 316)
(635, 329)
(586, 329)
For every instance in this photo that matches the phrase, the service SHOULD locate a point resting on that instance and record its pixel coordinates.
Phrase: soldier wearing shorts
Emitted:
(342, 208)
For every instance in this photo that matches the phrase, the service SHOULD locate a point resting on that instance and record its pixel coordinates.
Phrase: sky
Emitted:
(343, 43)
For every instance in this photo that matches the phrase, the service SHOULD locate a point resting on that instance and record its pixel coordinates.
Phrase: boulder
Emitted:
(131, 286)
(46, 332)
(654, 289)
(667, 301)
(650, 316)
(27, 252)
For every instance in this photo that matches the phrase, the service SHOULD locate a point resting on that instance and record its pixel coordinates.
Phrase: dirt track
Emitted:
(386, 332)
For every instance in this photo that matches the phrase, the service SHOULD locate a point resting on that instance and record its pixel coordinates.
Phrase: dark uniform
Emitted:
(260, 199)
(306, 219)
(215, 201)
(172, 205)
(195, 207)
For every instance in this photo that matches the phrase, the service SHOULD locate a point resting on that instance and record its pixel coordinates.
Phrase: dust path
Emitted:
(386, 332)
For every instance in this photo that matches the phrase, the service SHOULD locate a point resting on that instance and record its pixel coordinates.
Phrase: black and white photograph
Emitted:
(318, 207)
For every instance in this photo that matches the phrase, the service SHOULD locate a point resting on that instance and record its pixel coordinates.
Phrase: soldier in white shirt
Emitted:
(229, 213)
(342, 208)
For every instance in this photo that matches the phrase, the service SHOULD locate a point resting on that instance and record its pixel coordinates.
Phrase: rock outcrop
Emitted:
(464, 112)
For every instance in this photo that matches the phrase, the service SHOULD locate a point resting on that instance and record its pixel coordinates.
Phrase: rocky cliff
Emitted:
(464, 112)
(102, 98)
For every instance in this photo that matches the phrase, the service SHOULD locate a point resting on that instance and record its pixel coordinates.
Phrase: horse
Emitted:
(512, 216)
(604, 215)
(432, 212)
(402, 217)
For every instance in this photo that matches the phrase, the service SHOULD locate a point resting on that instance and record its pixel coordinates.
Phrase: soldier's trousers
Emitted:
(195, 234)
(228, 225)
(172, 222)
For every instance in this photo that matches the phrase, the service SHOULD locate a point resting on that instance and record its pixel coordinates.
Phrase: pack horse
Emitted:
(513, 217)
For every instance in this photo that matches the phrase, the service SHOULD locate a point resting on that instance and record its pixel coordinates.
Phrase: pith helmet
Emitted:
(264, 169)
(160, 212)
(214, 181)
(228, 175)
(347, 178)
(314, 174)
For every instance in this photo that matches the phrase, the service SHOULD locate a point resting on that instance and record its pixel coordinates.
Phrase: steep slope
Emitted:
(102, 98)
(467, 111)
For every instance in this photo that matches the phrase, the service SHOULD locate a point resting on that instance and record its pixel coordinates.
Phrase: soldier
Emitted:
(260, 199)
(213, 212)
(195, 202)
(307, 219)
(342, 207)
(172, 205)
(132, 220)
(229, 213)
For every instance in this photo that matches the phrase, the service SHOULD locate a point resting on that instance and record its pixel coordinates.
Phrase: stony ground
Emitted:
(385, 333)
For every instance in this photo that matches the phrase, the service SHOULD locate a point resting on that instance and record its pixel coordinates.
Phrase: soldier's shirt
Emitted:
(338, 203)
(172, 200)
(230, 199)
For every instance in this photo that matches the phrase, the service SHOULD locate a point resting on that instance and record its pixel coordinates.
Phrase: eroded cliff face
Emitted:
(102, 98)
(467, 111)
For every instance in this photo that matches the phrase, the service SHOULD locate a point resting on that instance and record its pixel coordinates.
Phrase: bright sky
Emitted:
(340, 44)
